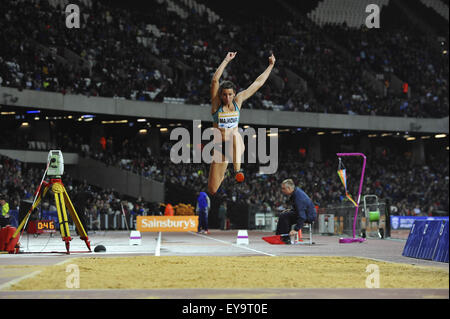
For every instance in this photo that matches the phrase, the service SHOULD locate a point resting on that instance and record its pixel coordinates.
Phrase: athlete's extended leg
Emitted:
(238, 150)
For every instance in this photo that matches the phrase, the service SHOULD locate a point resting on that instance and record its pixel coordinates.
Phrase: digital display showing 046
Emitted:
(45, 225)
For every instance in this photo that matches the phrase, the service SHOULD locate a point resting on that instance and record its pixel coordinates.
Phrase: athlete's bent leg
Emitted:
(216, 176)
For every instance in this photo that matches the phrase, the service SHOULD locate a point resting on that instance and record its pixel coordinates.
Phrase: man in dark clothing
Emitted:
(203, 204)
(223, 215)
(303, 211)
(81, 202)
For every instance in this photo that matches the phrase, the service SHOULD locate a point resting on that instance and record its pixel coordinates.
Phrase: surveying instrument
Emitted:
(55, 170)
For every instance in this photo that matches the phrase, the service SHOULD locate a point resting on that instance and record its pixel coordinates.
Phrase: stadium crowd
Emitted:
(417, 190)
(412, 189)
(386, 176)
(424, 71)
(115, 54)
(389, 175)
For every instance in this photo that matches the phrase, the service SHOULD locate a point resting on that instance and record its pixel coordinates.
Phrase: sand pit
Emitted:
(150, 272)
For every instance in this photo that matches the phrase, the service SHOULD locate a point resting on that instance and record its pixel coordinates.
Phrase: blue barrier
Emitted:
(441, 249)
(415, 236)
(428, 239)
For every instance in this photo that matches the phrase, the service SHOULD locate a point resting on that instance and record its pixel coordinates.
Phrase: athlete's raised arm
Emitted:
(260, 80)
(215, 99)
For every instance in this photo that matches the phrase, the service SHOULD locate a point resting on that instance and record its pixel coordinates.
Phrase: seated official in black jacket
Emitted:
(303, 211)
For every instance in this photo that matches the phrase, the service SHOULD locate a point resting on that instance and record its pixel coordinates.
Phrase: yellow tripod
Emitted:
(63, 204)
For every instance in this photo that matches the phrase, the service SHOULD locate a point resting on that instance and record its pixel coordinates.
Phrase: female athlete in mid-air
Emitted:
(225, 108)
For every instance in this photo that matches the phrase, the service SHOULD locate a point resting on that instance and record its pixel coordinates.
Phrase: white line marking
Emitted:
(15, 281)
(158, 246)
(35, 273)
(235, 245)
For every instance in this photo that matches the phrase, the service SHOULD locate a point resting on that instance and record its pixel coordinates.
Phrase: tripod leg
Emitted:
(76, 220)
(62, 217)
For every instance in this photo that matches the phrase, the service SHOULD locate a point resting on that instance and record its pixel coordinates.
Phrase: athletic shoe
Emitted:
(207, 232)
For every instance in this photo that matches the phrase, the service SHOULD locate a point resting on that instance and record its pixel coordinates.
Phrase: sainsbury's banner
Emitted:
(406, 222)
(166, 223)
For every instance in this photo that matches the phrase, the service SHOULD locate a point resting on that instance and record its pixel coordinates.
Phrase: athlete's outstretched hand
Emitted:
(272, 59)
(230, 56)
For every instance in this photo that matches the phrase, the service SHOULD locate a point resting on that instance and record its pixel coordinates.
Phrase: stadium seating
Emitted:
(311, 74)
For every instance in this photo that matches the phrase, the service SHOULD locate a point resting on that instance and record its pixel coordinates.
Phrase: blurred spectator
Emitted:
(4, 218)
(203, 205)
(223, 215)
